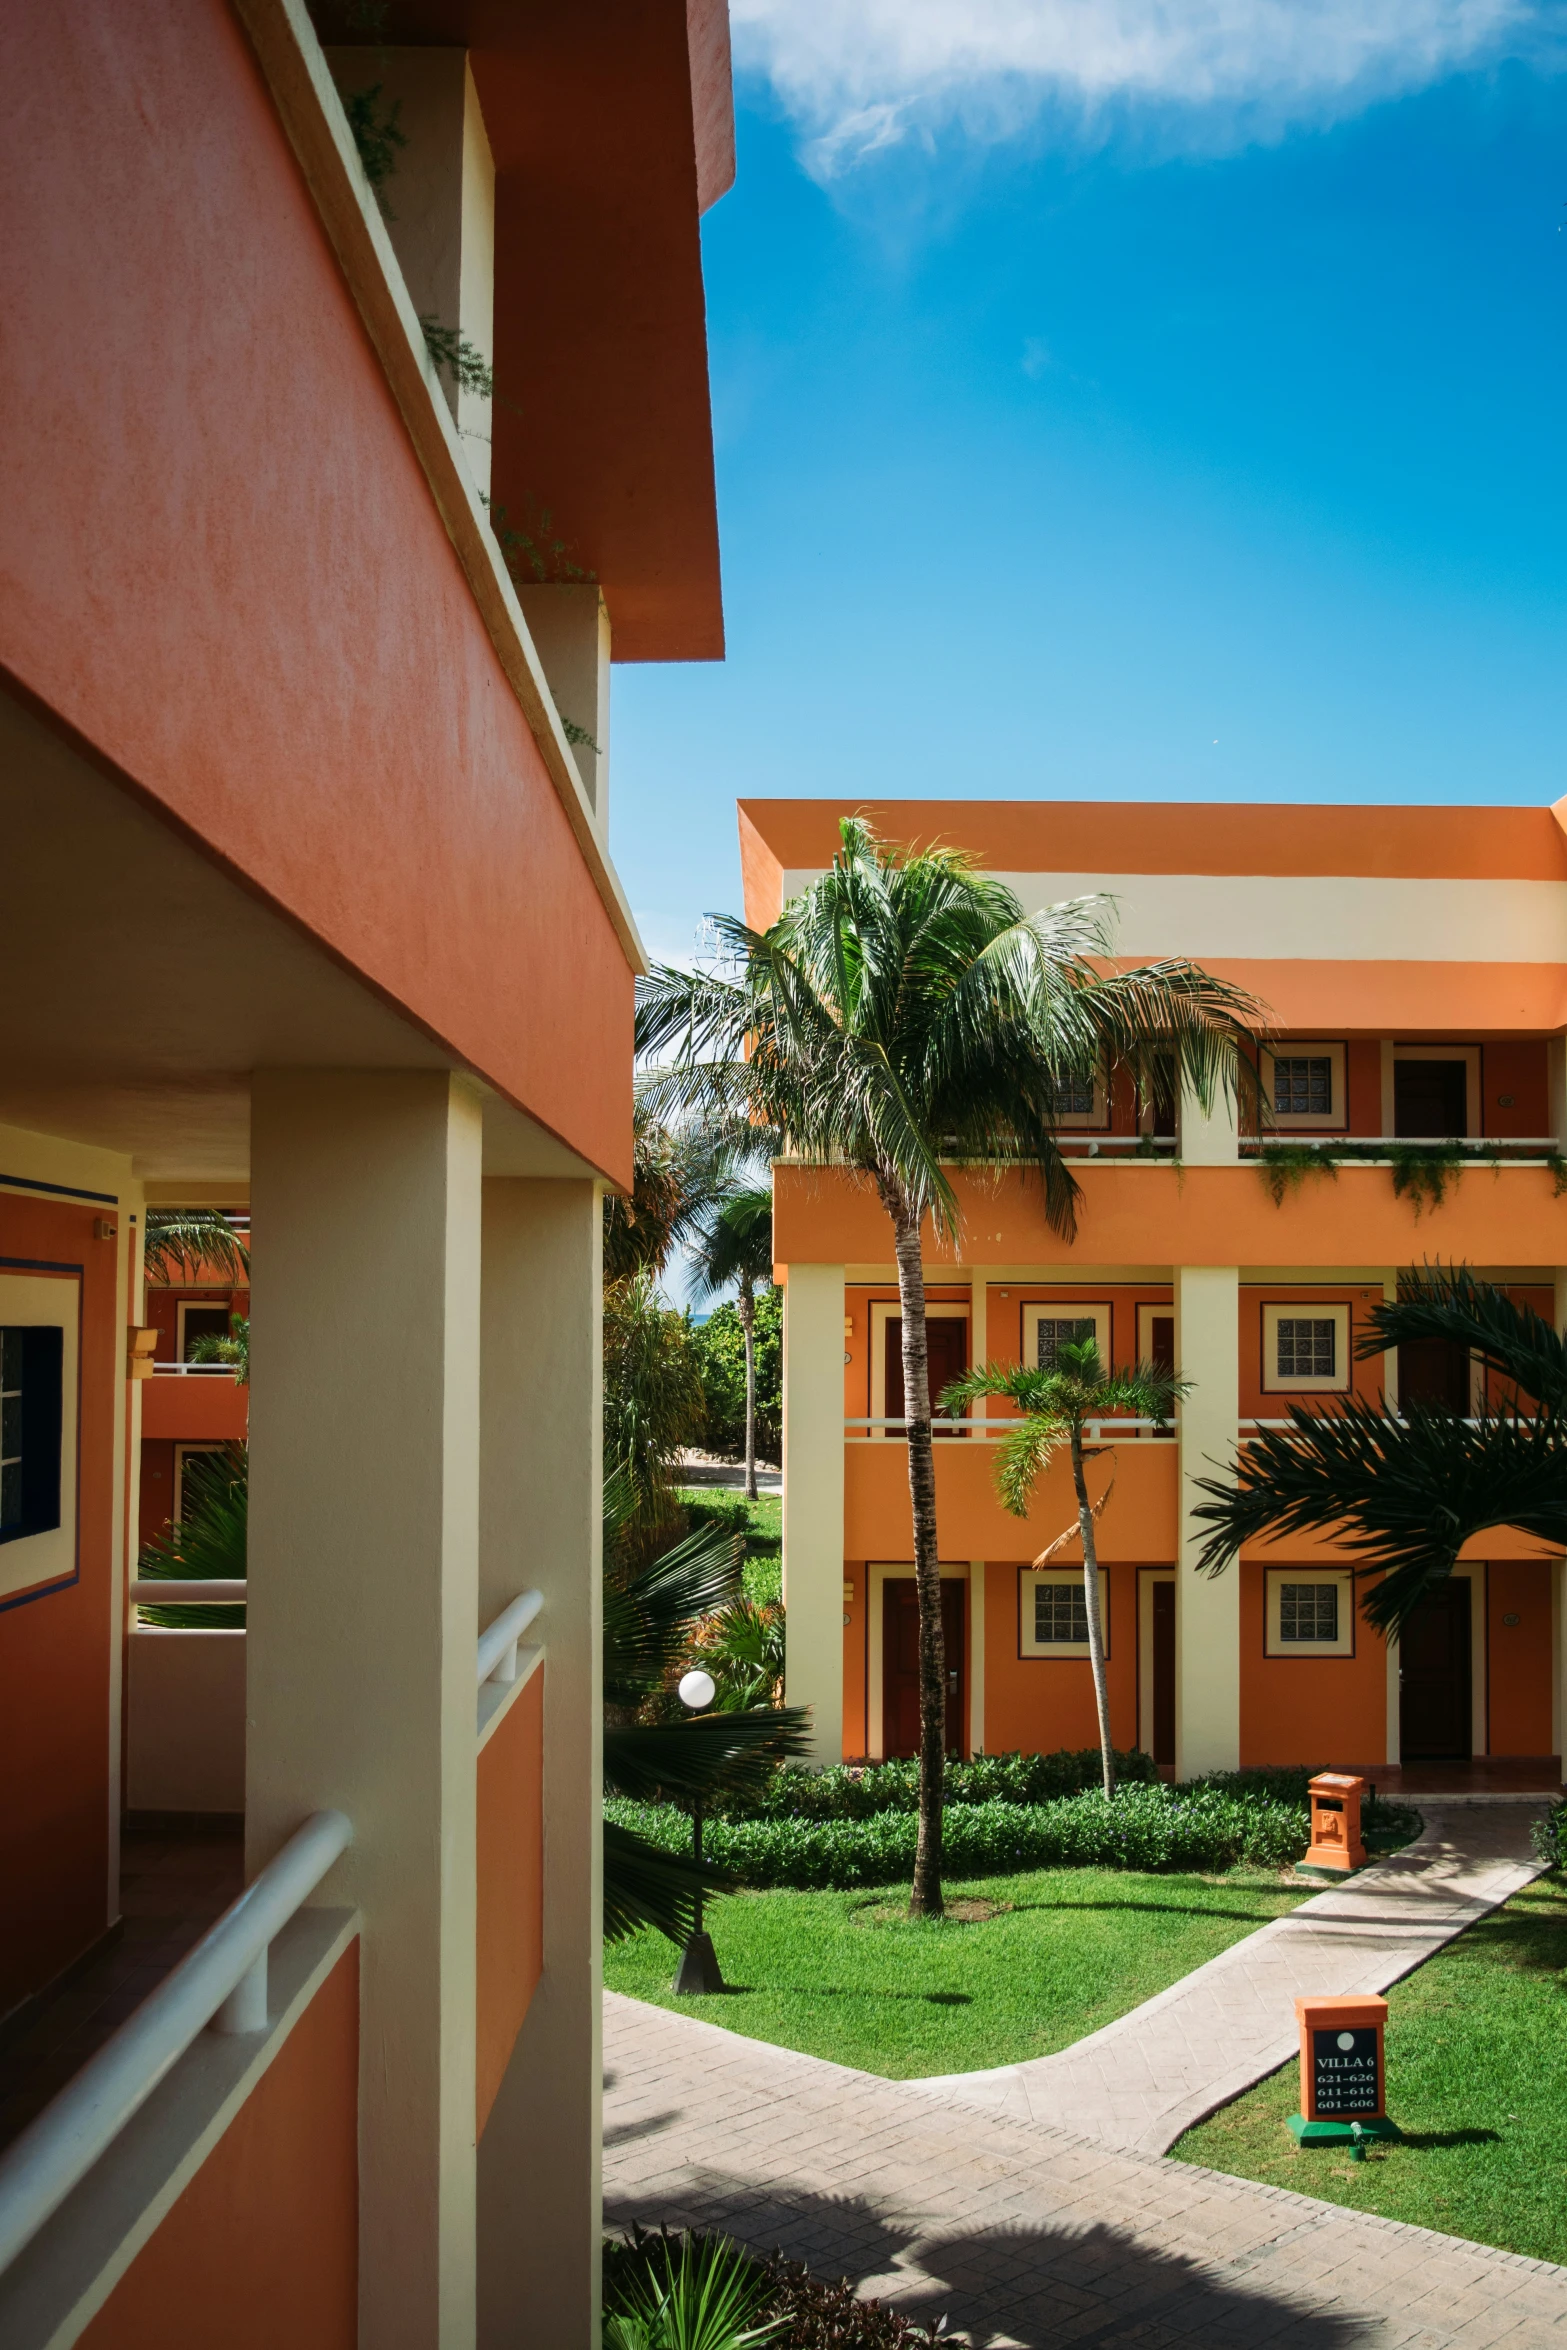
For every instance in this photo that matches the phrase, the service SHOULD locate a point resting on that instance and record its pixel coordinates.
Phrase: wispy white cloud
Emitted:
(863, 75)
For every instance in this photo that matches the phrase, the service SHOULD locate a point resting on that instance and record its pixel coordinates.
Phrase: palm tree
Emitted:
(904, 1012)
(179, 1241)
(675, 1179)
(1057, 1402)
(650, 1613)
(736, 1247)
(233, 1348)
(1404, 1491)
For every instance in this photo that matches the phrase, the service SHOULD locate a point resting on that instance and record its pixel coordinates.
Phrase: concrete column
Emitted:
(571, 635)
(1207, 1608)
(813, 1499)
(1208, 1138)
(540, 1528)
(363, 1551)
(439, 206)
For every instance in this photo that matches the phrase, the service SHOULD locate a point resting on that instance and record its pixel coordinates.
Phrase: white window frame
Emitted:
(1313, 1311)
(1469, 1054)
(1055, 1309)
(204, 1448)
(53, 1299)
(1335, 1120)
(1028, 1581)
(1147, 1577)
(219, 1301)
(1275, 1645)
(883, 1311)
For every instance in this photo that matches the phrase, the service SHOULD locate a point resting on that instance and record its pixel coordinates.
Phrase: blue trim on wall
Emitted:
(60, 1190)
(48, 1265)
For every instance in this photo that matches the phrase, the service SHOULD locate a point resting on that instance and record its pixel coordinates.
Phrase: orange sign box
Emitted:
(1335, 1824)
(1343, 2081)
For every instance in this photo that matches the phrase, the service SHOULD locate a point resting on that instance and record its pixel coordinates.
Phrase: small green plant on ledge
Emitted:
(377, 136)
(463, 361)
(1423, 1171)
(1284, 1167)
(578, 736)
(535, 555)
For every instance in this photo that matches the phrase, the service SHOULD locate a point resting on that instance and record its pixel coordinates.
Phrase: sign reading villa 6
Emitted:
(1342, 2081)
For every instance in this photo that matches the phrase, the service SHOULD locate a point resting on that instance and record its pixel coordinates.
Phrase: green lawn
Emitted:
(1476, 2079)
(762, 1523)
(850, 1977)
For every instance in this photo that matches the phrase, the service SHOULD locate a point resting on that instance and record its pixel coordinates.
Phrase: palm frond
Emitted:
(646, 1886)
(650, 1612)
(704, 1757)
(185, 1242)
(1452, 1303)
(1402, 1495)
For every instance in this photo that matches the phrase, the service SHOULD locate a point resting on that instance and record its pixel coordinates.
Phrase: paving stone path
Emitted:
(1025, 2237)
(1148, 2076)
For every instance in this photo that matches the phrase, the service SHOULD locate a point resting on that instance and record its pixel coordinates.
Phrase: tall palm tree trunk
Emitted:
(926, 1899)
(1096, 1638)
(748, 1326)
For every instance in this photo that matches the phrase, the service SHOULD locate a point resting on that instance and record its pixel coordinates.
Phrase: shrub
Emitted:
(798, 2311)
(845, 1793)
(1147, 1827)
(1549, 1836)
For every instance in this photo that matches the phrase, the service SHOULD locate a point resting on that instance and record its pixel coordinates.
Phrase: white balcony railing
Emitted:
(221, 1983)
(1108, 1431)
(193, 1370)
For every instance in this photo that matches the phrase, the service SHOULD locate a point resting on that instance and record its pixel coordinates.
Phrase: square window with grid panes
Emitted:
(1308, 1347)
(1308, 1611)
(1074, 1096)
(1060, 1613)
(1053, 1335)
(1303, 1085)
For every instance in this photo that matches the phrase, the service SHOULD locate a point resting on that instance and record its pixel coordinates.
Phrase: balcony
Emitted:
(877, 1523)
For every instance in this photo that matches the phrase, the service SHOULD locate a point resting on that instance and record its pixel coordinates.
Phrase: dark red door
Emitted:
(1434, 1686)
(900, 1658)
(946, 1351)
(1164, 1673)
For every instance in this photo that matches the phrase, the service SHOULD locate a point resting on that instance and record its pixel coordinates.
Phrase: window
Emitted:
(1074, 1096)
(199, 1320)
(1305, 1347)
(1053, 1612)
(1047, 1327)
(1303, 1086)
(1309, 1613)
(31, 1396)
(1060, 1612)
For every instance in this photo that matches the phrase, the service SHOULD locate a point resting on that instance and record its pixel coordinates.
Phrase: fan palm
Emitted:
(736, 1250)
(184, 1241)
(209, 1542)
(650, 1612)
(1057, 1403)
(1404, 1491)
(902, 1013)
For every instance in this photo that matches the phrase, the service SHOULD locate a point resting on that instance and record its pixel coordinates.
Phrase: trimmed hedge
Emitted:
(1147, 1827)
(860, 1793)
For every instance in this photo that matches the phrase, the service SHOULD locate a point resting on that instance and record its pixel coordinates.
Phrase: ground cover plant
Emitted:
(1476, 2080)
(1023, 1964)
(693, 2292)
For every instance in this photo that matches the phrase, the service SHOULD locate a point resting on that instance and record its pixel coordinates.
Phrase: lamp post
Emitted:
(698, 1970)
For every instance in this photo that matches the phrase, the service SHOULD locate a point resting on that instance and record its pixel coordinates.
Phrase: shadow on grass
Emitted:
(1429, 2139)
(1039, 2287)
(825, 1991)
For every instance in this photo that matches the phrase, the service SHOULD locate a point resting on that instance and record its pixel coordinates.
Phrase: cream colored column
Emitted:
(364, 1452)
(1207, 1608)
(813, 1468)
(1393, 1699)
(540, 1520)
(1208, 1138)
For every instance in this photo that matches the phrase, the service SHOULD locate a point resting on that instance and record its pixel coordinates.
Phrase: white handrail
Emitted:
(223, 1981)
(498, 1646)
(194, 1370)
(149, 1591)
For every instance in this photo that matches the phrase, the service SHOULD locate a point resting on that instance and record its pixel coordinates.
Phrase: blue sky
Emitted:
(1113, 419)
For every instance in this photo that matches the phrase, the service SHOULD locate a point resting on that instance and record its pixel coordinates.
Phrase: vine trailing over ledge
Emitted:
(1422, 1172)
(1284, 1167)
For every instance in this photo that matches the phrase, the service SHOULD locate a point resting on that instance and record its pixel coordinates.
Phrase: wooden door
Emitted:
(946, 1350)
(900, 1665)
(1434, 1371)
(1434, 1686)
(1430, 1099)
(1164, 1673)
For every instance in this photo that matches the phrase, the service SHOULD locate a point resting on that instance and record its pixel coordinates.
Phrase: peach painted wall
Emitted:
(1516, 1068)
(262, 2248)
(971, 1523)
(55, 1647)
(1519, 1656)
(1037, 1704)
(1308, 1709)
(510, 1922)
(204, 1410)
(230, 581)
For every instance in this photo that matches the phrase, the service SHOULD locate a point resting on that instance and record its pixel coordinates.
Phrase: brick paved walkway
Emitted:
(1025, 2235)
(1148, 2076)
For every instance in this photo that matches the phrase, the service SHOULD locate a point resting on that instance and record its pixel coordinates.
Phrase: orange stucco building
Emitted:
(1415, 964)
(306, 905)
